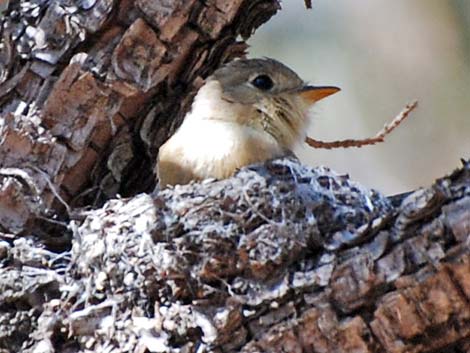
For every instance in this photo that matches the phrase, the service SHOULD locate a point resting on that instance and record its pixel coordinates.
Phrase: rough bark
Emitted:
(279, 258)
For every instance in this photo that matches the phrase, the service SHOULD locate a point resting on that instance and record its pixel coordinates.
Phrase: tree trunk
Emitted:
(279, 258)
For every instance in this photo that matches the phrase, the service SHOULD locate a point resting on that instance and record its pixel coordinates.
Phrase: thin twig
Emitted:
(254, 208)
(379, 137)
(52, 187)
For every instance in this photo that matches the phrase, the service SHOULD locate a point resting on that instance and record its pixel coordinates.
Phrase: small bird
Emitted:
(248, 111)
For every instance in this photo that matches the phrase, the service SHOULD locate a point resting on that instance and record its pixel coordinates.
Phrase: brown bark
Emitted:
(279, 258)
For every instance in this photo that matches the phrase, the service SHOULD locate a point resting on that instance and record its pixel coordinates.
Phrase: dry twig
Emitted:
(379, 137)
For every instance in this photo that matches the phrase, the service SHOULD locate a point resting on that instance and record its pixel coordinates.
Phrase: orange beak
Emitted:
(313, 94)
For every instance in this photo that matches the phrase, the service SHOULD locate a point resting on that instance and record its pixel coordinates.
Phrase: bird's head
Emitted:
(268, 96)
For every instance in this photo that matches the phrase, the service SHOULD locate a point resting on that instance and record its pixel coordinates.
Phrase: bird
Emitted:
(248, 111)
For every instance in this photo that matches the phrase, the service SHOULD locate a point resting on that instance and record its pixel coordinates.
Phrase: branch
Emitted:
(379, 137)
(279, 258)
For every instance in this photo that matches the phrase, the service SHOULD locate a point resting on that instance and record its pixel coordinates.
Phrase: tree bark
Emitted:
(279, 258)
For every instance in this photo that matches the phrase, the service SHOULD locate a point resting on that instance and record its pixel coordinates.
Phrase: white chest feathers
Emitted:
(215, 148)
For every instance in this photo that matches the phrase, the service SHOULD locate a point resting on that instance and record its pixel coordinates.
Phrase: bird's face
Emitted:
(272, 97)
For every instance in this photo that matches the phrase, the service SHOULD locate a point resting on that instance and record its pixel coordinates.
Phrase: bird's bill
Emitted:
(313, 94)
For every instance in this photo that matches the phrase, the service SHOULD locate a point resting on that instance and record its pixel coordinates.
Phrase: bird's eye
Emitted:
(263, 82)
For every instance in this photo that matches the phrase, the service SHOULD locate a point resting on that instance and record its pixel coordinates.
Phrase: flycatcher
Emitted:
(248, 111)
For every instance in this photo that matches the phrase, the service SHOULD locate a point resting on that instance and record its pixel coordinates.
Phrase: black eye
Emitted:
(263, 82)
